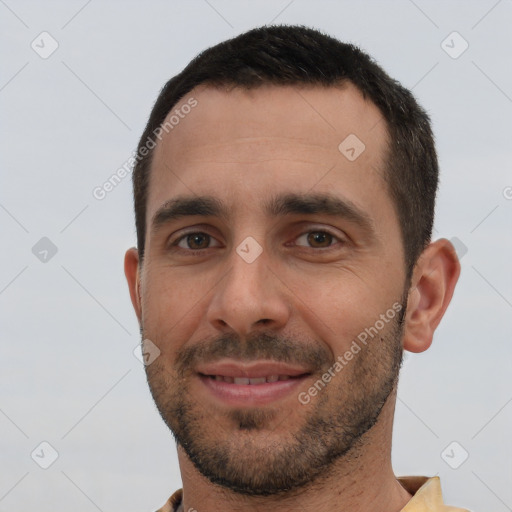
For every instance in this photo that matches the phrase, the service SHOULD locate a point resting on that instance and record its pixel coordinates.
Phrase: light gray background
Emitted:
(68, 375)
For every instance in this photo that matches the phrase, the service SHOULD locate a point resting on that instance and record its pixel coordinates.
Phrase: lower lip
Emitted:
(251, 394)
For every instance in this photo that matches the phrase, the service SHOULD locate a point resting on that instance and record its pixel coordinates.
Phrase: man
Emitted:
(284, 199)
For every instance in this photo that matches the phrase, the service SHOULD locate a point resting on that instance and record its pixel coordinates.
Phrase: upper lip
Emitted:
(251, 370)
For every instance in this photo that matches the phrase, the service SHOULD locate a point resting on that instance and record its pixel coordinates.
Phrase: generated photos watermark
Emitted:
(101, 191)
(342, 360)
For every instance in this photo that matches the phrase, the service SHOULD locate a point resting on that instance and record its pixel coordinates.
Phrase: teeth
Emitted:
(245, 380)
(259, 380)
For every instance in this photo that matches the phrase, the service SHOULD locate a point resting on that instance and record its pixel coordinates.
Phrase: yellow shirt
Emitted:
(426, 496)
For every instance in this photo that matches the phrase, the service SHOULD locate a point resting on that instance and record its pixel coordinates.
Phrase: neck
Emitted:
(361, 481)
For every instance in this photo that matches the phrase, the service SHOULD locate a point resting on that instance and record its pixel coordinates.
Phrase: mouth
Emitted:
(250, 381)
(258, 383)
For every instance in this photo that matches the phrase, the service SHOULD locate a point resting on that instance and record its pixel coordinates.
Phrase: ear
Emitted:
(131, 271)
(433, 282)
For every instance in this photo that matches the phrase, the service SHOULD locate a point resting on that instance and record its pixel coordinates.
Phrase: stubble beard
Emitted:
(248, 458)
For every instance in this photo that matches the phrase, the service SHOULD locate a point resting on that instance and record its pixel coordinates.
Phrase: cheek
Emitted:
(339, 306)
(171, 306)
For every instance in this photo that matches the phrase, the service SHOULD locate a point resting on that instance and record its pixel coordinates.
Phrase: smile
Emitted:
(247, 381)
(235, 383)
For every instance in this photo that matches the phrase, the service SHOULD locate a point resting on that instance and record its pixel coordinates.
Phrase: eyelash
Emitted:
(336, 239)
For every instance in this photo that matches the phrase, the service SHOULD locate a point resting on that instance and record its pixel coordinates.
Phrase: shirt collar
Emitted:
(427, 496)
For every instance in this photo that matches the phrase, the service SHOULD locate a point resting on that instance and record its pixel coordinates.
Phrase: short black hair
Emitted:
(289, 55)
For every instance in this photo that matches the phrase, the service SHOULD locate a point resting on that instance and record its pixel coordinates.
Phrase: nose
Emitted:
(250, 296)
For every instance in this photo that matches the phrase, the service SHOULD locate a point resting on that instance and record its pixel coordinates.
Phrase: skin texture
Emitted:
(303, 300)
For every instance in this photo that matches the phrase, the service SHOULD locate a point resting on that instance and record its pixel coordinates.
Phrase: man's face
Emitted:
(269, 250)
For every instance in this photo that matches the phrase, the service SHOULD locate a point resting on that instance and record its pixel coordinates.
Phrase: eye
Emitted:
(196, 241)
(317, 239)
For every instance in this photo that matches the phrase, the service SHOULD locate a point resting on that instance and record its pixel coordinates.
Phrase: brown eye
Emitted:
(319, 239)
(195, 241)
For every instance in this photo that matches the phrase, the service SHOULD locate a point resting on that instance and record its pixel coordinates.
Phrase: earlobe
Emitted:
(131, 271)
(433, 282)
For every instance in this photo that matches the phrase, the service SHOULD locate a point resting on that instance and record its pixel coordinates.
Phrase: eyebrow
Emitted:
(287, 204)
(325, 204)
(185, 206)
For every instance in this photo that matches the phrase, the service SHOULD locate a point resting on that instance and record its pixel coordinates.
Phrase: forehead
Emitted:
(284, 137)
